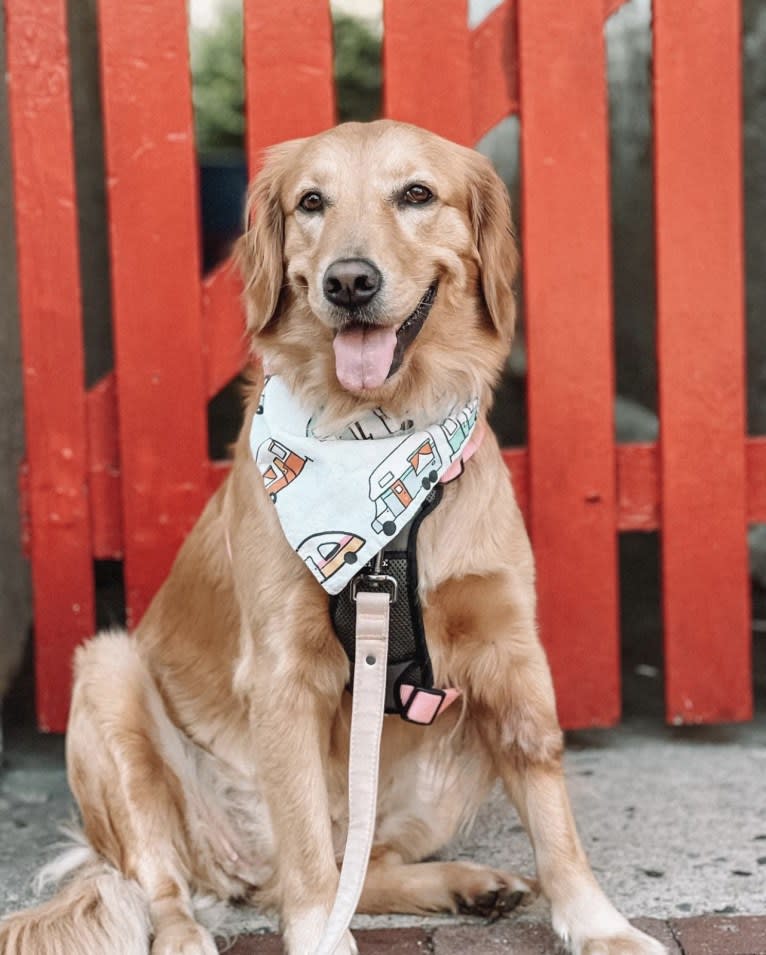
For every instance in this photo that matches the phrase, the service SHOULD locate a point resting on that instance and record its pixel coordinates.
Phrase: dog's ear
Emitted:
(259, 252)
(490, 210)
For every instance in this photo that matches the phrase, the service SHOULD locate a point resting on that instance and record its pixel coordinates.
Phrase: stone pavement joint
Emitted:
(721, 935)
(399, 941)
(702, 935)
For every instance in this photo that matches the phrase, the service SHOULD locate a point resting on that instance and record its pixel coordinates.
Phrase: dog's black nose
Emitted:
(351, 282)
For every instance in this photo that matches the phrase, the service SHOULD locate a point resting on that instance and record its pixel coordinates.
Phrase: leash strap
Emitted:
(372, 617)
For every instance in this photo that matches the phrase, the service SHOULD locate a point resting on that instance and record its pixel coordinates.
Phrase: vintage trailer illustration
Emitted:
(395, 482)
(278, 465)
(325, 553)
(457, 427)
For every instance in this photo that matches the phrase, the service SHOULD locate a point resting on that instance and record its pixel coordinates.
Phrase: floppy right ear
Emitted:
(491, 216)
(259, 252)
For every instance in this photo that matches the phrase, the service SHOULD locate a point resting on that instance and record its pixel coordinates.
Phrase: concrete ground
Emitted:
(674, 821)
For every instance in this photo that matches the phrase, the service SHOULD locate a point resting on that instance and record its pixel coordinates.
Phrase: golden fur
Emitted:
(208, 751)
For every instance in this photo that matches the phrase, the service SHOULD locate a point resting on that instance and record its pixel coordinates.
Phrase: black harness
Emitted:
(394, 570)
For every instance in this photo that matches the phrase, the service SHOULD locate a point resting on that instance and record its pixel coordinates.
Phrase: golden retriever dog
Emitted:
(208, 751)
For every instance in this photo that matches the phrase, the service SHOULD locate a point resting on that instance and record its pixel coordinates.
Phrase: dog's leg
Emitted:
(511, 699)
(293, 702)
(582, 914)
(132, 802)
(395, 886)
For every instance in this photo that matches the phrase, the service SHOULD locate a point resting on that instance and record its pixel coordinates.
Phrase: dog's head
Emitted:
(378, 265)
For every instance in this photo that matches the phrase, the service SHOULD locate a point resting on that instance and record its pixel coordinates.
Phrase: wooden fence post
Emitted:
(700, 314)
(156, 293)
(52, 345)
(567, 283)
(418, 43)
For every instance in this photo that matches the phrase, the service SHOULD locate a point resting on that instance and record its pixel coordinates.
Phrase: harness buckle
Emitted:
(379, 582)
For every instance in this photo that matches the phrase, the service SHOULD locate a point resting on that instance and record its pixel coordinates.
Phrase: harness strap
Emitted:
(422, 705)
(364, 750)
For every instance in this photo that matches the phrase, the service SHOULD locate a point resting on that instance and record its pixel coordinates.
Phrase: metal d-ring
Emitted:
(379, 582)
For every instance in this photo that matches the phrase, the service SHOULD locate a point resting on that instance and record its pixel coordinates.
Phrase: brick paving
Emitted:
(703, 935)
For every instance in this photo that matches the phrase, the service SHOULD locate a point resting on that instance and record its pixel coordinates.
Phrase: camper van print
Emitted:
(324, 554)
(279, 466)
(457, 427)
(396, 481)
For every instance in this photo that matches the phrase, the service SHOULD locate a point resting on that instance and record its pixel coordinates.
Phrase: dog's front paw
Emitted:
(303, 933)
(590, 925)
(348, 946)
(629, 942)
(184, 938)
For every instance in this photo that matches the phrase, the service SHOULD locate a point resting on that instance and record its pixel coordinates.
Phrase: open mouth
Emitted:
(366, 355)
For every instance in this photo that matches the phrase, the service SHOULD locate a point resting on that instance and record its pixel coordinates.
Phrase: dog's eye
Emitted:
(417, 195)
(312, 202)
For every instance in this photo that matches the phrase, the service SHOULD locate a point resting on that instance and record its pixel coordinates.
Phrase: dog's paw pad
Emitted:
(493, 904)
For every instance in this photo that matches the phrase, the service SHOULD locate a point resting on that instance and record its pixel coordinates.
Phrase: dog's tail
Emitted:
(96, 910)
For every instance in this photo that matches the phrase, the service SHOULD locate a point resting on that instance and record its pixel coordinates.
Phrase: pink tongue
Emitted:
(363, 357)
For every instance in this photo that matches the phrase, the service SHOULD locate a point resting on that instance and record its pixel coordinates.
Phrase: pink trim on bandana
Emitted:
(472, 446)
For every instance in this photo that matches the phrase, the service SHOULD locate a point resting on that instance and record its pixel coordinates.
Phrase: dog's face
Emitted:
(380, 260)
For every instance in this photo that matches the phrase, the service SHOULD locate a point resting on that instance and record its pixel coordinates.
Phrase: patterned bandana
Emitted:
(341, 498)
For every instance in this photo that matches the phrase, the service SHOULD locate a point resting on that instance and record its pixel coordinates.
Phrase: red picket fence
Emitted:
(121, 470)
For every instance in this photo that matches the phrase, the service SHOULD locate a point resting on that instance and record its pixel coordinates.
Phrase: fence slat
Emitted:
(638, 487)
(418, 44)
(224, 322)
(494, 69)
(290, 88)
(154, 225)
(698, 176)
(290, 92)
(104, 479)
(494, 65)
(573, 518)
(52, 347)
